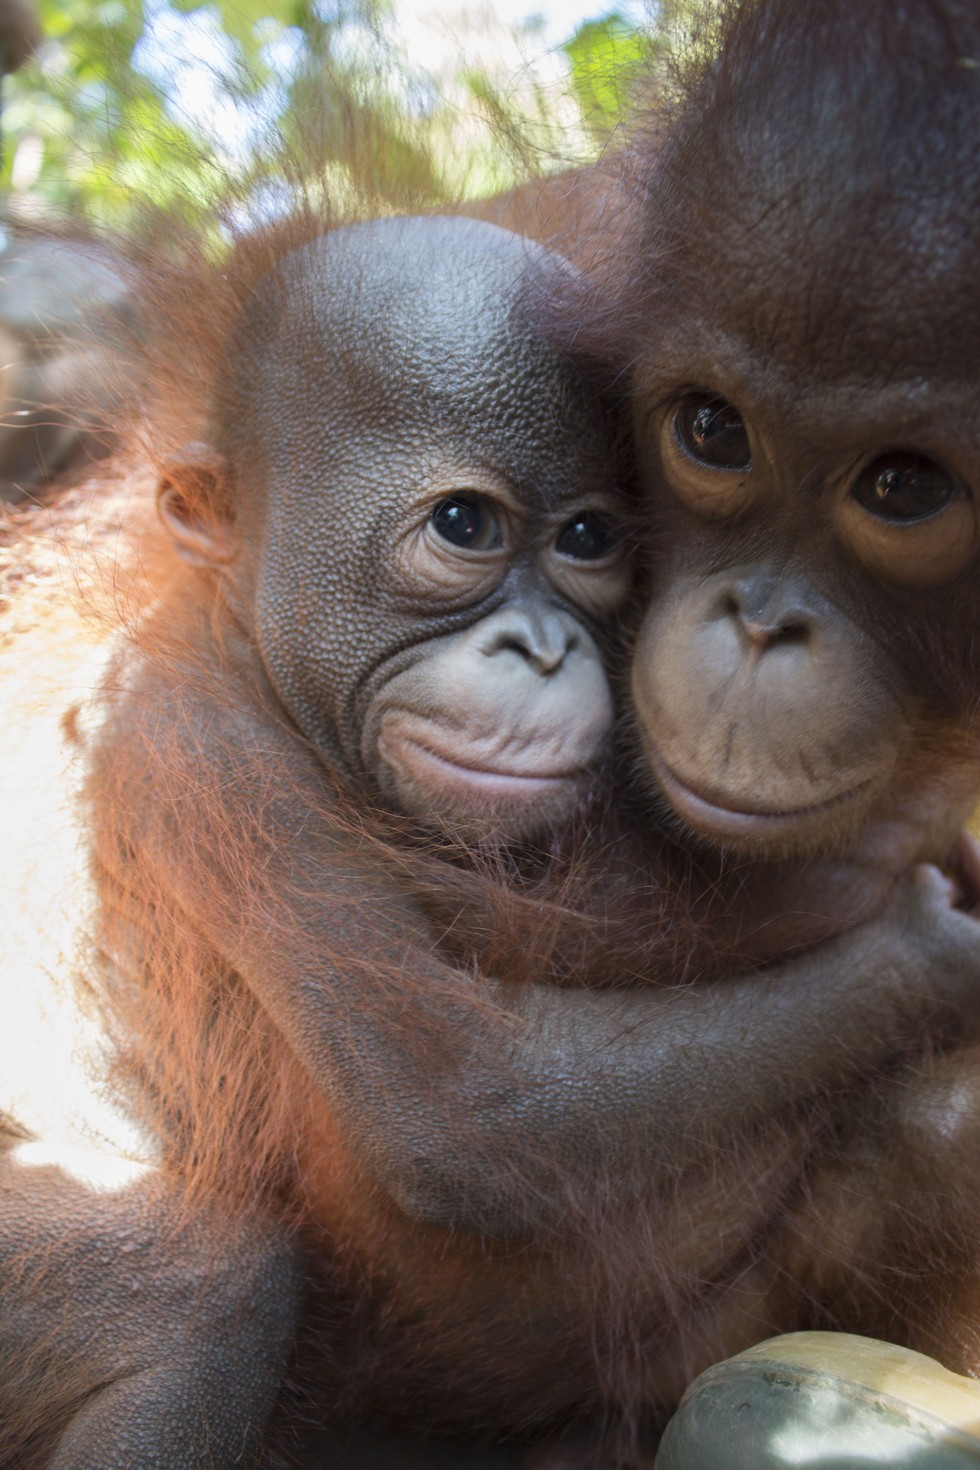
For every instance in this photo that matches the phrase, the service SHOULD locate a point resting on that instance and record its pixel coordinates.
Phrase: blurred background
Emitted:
(417, 100)
(140, 135)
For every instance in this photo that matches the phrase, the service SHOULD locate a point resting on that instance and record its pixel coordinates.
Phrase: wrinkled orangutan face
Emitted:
(508, 713)
(434, 550)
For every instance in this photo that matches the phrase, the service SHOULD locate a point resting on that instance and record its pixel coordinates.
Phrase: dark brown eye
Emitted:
(466, 521)
(712, 432)
(588, 536)
(903, 487)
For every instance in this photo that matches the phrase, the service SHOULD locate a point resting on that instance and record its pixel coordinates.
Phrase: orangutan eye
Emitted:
(588, 536)
(711, 431)
(902, 486)
(467, 521)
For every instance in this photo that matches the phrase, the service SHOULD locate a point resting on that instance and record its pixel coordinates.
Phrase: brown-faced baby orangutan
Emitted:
(374, 1175)
(798, 316)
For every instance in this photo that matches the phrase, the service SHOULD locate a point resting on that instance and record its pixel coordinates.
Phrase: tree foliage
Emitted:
(150, 101)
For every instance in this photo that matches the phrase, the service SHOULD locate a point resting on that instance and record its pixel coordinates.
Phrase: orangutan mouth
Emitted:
(706, 812)
(421, 762)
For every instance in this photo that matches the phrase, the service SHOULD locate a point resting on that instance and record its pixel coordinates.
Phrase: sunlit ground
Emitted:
(50, 1050)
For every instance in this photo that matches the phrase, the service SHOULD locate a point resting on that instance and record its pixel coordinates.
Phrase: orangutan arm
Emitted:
(467, 1100)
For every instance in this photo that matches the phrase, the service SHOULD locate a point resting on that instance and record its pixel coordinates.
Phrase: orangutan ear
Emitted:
(190, 491)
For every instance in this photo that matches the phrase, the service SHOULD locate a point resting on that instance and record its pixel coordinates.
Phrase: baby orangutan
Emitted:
(436, 1200)
(476, 561)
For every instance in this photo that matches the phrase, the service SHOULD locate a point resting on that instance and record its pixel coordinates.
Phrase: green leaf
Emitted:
(606, 56)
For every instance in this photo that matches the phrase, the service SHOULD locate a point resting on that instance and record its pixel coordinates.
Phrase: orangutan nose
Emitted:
(766, 611)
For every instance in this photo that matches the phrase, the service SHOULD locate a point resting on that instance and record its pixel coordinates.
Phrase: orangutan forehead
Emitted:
(415, 331)
(845, 311)
(430, 306)
(844, 191)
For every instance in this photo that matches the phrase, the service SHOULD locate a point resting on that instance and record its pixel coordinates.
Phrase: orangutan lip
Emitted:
(481, 776)
(697, 808)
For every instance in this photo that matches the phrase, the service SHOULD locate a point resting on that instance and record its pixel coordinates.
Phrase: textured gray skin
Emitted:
(605, 1079)
(395, 337)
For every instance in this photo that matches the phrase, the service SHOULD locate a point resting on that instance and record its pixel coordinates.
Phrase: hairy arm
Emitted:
(465, 1098)
(134, 1329)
